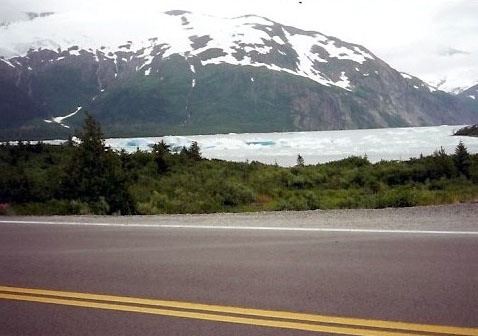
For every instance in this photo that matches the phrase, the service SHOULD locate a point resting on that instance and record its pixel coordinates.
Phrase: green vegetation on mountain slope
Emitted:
(468, 131)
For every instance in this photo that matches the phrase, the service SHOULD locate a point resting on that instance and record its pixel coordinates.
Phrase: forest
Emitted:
(83, 176)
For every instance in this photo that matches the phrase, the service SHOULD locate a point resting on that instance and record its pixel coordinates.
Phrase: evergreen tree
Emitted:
(441, 165)
(300, 161)
(161, 152)
(194, 152)
(462, 159)
(94, 174)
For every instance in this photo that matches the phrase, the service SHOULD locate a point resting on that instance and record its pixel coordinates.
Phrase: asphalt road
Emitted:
(425, 273)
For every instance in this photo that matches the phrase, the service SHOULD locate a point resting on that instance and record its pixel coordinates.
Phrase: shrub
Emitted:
(397, 198)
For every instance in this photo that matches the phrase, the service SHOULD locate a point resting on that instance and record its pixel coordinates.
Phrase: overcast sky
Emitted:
(414, 36)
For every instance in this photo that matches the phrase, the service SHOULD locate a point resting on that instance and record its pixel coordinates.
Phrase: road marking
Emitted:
(246, 228)
(257, 317)
(304, 229)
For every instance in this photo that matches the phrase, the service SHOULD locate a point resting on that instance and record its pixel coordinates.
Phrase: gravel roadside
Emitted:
(456, 217)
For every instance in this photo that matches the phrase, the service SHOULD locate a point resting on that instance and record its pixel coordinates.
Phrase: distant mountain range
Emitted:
(195, 74)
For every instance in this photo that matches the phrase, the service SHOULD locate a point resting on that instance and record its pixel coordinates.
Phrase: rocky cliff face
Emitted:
(246, 74)
(469, 98)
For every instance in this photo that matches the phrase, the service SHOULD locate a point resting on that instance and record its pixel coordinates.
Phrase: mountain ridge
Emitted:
(260, 71)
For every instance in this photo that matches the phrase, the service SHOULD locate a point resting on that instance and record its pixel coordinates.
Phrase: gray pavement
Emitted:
(421, 278)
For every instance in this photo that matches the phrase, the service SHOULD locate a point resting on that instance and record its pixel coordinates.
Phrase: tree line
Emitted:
(84, 176)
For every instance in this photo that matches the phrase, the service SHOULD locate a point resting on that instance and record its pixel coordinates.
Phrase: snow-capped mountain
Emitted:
(187, 73)
(238, 41)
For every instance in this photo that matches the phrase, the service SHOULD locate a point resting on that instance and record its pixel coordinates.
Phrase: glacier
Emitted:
(315, 147)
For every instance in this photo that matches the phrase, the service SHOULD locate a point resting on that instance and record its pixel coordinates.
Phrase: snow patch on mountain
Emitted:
(344, 82)
(7, 62)
(245, 41)
(418, 83)
(59, 120)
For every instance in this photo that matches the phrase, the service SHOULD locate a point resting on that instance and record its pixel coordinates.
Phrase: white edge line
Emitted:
(252, 228)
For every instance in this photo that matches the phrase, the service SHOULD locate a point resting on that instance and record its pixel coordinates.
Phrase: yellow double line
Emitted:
(257, 317)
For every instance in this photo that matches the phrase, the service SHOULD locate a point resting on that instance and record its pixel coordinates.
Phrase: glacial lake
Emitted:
(315, 147)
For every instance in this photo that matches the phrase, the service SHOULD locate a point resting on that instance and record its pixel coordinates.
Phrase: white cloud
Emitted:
(374, 23)
(447, 52)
